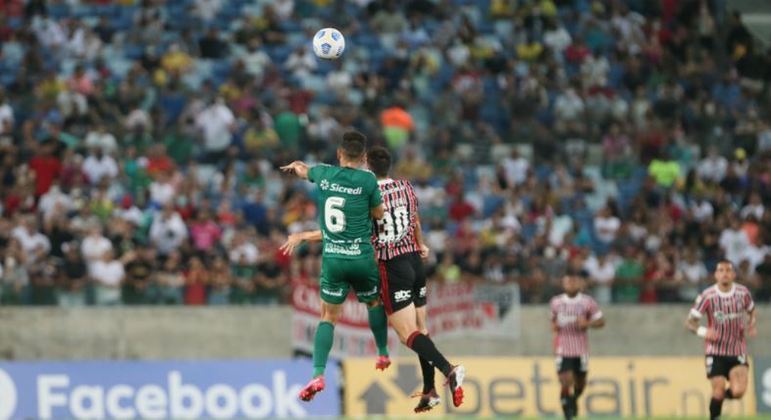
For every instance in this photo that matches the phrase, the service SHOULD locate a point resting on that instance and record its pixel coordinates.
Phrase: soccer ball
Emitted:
(328, 44)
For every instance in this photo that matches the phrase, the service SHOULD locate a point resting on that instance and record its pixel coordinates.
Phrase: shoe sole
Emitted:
(308, 394)
(457, 395)
(433, 402)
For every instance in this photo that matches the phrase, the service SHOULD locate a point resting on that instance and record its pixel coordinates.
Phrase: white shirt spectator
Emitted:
(246, 252)
(712, 168)
(594, 70)
(102, 140)
(569, 106)
(52, 200)
(702, 210)
(558, 40)
(256, 62)
(600, 272)
(216, 122)
(755, 210)
(96, 169)
(31, 242)
(49, 32)
(132, 215)
(162, 192)
(283, 8)
(168, 232)
(515, 169)
(734, 243)
(692, 272)
(606, 228)
(339, 80)
(6, 118)
(560, 226)
(94, 247)
(107, 273)
(208, 9)
(301, 63)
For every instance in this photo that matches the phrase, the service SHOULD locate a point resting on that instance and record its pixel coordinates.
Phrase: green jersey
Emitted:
(346, 196)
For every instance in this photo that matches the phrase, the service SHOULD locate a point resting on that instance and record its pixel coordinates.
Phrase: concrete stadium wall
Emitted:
(261, 332)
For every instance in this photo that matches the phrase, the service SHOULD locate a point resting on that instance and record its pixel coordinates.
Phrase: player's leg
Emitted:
(333, 295)
(717, 374)
(567, 380)
(429, 397)
(737, 378)
(579, 382)
(368, 292)
(398, 277)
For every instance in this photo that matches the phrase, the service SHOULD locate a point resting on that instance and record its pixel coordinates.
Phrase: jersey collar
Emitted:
(725, 294)
(567, 298)
(384, 181)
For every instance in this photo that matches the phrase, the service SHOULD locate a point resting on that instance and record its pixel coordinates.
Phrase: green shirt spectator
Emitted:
(628, 280)
(664, 172)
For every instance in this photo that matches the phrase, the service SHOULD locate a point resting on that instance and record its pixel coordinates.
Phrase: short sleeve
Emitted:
(315, 173)
(700, 306)
(749, 304)
(553, 309)
(375, 199)
(593, 311)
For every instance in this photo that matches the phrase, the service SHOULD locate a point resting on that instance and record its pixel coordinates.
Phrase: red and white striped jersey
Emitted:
(571, 341)
(726, 315)
(394, 234)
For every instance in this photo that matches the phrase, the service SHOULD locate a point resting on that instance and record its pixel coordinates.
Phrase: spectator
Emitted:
(601, 270)
(103, 140)
(216, 123)
(46, 166)
(99, 166)
(107, 274)
(171, 280)
(95, 245)
(196, 280)
(167, 232)
(73, 277)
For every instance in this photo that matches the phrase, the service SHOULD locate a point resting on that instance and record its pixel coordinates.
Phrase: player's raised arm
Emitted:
(298, 168)
(296, 239)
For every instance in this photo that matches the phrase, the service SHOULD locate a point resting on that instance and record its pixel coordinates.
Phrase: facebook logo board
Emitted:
(180, 389)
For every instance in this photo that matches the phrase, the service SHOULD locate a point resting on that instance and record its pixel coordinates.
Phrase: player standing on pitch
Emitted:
(399, 246)
(725, 304)
(572, 314)
(348, 200)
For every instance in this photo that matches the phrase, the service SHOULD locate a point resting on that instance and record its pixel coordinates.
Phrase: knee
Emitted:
(718, 393)
(373, 304)
(737, 391)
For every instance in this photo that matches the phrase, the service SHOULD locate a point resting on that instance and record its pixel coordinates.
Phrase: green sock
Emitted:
(378, 323)
(322, 345)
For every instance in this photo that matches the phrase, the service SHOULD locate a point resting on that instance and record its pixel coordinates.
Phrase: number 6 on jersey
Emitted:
(334, 217)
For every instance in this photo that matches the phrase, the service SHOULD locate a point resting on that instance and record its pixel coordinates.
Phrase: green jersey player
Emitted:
(348, 200)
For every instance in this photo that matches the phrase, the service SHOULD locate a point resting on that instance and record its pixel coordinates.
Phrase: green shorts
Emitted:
(338, 274)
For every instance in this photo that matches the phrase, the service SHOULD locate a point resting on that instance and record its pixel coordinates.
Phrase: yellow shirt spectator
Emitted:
(664, 172)
(176, 61)
(529, 51)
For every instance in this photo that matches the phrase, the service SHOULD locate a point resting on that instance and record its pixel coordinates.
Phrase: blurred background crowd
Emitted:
(140, 141)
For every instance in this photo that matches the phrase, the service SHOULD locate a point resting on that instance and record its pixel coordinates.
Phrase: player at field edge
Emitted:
(572, 314)
(725, 303)
(399, 246)
(348, 200)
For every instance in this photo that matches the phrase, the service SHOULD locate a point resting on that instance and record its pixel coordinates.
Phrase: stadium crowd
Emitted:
(140, 141)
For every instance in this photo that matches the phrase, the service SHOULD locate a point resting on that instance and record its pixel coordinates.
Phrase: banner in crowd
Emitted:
(454, 309)
(762, 369)
(628, 387)
(194, 389)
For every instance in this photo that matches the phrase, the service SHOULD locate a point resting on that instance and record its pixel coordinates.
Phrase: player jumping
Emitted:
(399, 245)
(725, 304)
(572, 314)
(348, 198)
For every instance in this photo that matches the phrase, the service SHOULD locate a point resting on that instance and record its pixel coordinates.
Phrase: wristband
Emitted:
(701, 331)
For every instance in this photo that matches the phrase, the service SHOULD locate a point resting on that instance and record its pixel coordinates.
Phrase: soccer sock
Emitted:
(715, 407)
(729, 394)
(322, 345)
(378, 323)
(425, 348)
(565, 402)
(428, 374)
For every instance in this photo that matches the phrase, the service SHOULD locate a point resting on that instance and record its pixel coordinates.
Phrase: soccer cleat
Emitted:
(427, 401)
(574, 406)
(315, 386)
(455, 381)
(382, 362)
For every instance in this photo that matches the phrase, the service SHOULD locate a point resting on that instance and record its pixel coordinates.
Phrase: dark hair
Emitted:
(725, 261)
(379, 161)
(353, 145)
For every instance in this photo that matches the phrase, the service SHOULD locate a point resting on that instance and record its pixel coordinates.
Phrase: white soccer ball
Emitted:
(328, 44)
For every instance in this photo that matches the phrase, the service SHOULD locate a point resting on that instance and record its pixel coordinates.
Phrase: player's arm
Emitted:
(378, 212)
(694, 319)
(298, 168)
(424, 249)
(296, 239)
(594, 317)
(752, 329)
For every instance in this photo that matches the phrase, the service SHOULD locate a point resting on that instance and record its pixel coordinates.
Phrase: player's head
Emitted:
(725, 273)
(379, 161)
(352, 148)
(571, 284)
